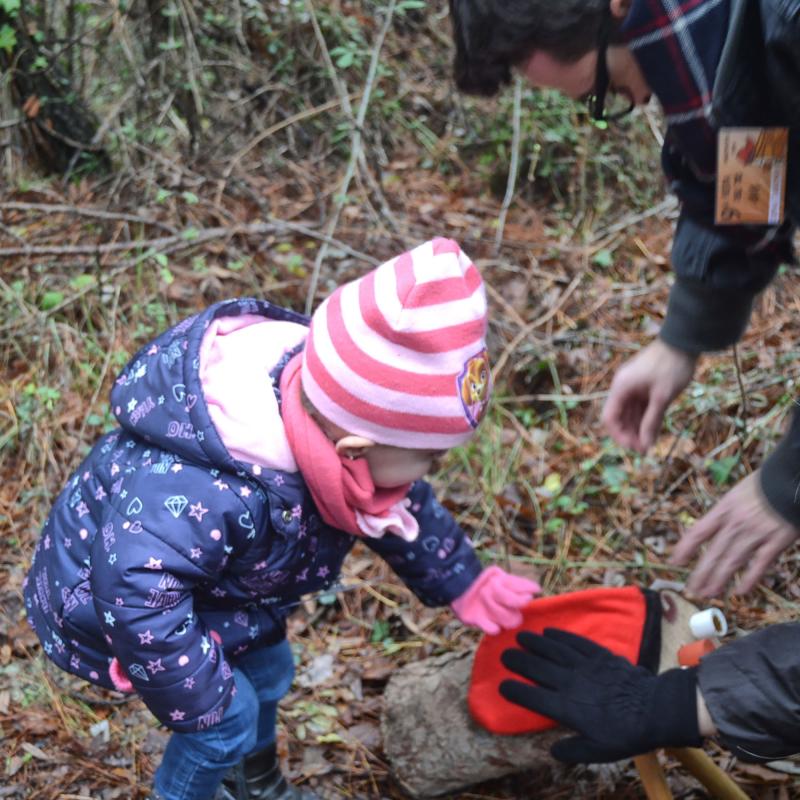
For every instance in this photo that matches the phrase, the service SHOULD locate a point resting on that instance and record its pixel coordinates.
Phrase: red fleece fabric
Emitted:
(614, 618)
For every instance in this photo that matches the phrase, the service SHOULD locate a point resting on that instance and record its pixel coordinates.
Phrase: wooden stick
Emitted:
(652, 777)
(513, 166)
(355, 141)
(718, 782)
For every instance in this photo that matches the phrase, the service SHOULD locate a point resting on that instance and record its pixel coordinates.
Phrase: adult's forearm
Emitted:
(751, 688)
(779, 475)
(703, 318)
(719, 270)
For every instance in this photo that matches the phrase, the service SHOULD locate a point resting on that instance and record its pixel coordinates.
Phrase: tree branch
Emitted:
(355, 145)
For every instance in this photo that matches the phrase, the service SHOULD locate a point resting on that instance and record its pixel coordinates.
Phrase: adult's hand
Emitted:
(618, 709)
(741, 530)
(641, 391)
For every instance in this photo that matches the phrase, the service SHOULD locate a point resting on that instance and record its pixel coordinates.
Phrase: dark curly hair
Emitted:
(491, 36)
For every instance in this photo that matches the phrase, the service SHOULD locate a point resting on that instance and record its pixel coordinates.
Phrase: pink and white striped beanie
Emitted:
(399, 356)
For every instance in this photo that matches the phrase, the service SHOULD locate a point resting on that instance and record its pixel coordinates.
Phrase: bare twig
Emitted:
(355, 146)
(181, 240)
(742, 394)
(81, 146)
(761, 422)
(667, 207)
(531, 326)
(654, 123)
(115, 109)
(589, 397)
(106, 363)
(156, 245)
(95, 213)
(265, 134)
(347, 108)
(193, 60)
(512, 167)
(323, 237)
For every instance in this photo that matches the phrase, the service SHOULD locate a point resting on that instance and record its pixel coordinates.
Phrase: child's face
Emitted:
(389, 466)
(395, 466)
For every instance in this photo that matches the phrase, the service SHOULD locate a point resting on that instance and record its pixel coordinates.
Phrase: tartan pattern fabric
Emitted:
(678, 45)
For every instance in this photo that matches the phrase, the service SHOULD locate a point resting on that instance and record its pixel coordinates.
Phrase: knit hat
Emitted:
(399, 356)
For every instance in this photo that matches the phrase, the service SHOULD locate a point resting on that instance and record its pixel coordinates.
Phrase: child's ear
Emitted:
(352, 446)
(620, 8)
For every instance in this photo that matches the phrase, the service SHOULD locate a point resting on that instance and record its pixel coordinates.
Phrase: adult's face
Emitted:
(576, 79)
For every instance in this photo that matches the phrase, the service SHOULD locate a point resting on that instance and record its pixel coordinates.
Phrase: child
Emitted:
(255, 446)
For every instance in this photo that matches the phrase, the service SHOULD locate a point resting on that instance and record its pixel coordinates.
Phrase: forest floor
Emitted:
(90, 269)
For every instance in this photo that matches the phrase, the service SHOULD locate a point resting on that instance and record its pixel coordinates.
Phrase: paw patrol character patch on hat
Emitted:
(474, 385)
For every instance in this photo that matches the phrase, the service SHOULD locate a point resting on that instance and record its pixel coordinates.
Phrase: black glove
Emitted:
(618, 709)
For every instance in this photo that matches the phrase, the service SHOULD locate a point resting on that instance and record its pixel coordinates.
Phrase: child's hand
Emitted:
(493, 601)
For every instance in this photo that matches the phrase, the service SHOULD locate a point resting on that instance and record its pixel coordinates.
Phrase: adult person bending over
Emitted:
(713, 65)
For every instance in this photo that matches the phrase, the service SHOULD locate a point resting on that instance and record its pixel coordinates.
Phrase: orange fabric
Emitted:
(690, 654)
(614, 618)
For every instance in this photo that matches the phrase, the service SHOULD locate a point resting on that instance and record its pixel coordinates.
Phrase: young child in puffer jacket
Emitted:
(255, 446)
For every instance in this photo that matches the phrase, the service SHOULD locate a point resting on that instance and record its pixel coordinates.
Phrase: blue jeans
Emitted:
(194, 763)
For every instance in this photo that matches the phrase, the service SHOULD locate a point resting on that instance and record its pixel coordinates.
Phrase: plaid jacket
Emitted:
(715, 63)
(678, 44)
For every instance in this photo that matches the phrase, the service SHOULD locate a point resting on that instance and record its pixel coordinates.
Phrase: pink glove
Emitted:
(494, 599)
(120, 679)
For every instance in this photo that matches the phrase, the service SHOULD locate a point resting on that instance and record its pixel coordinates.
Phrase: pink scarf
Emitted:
(342, 488)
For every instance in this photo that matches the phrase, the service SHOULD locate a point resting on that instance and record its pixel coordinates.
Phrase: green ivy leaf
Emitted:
(721, 470)
(380, 631)
(10, 7)
(51, 300)
(344, 57)
(82, 282)
(614, 478)
(603, 258)
(554, 525)
(8, 38)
